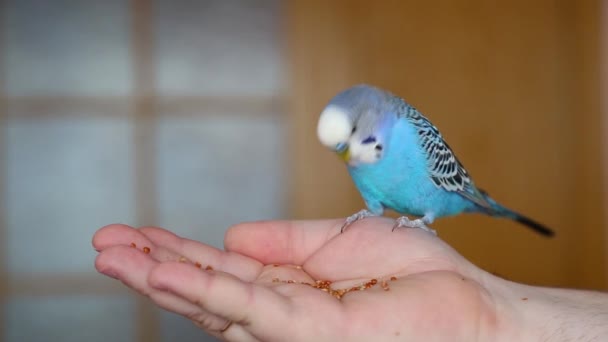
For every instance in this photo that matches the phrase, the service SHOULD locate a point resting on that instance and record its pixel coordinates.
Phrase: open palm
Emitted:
(257, 283)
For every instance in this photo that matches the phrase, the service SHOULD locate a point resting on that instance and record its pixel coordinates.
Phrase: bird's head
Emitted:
(355, 124)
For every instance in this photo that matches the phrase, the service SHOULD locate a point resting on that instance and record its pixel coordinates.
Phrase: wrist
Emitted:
(532, 313)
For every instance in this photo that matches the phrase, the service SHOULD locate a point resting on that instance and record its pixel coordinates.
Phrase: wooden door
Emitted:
(514, 88)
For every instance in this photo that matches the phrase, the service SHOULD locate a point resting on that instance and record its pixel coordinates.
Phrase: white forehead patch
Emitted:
(334, 126)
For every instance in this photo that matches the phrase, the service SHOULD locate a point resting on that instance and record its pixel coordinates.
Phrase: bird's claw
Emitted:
(356, 217)
(404, 221)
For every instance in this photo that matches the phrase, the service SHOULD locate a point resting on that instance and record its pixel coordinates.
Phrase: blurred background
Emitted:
(196, 115)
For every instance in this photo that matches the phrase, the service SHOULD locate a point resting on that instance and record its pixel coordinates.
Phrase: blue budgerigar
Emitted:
(399, 160)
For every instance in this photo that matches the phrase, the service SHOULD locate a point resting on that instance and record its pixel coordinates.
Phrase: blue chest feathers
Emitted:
(400, 180)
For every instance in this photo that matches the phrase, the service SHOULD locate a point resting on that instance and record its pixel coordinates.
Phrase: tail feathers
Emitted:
(537, 227)
(499, 210)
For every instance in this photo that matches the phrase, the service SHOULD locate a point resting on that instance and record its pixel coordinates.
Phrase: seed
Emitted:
(133, 244)
(208, 268)
(384, 285)
(198, 264)
(147, 250)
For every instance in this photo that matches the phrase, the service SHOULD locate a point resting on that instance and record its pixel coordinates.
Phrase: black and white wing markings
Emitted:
(445, 169)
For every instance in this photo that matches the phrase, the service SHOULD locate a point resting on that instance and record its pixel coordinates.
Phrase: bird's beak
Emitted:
(344, 153)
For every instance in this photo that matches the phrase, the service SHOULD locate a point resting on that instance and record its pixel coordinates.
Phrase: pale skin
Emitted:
(437, 296)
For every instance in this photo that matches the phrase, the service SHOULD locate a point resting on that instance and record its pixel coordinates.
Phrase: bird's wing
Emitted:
(445, 169)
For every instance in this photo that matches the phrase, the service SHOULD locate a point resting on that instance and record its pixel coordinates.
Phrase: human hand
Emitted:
(437, 296)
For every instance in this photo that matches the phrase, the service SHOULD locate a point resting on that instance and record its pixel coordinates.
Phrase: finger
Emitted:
(128, 265)
(204, 255)
(255, 308)
(281, 242)
(123, 235)
(132, 268)
(117, 234)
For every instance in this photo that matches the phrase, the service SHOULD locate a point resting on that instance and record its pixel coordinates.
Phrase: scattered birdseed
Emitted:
(325, 286)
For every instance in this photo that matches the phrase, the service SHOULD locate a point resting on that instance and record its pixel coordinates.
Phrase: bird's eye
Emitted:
(378, 147)
(353, 130)
(369, 140)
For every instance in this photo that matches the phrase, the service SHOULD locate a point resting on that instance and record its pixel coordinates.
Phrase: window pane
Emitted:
(78, 318)
(217, 171)
(216, 47)
(66, 47)
(66, 178)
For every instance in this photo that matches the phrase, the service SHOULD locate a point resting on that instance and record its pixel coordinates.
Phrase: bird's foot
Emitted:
(356, 217)
(404, 221)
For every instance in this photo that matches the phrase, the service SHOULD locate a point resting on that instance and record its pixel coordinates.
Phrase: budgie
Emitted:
(398, 160)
